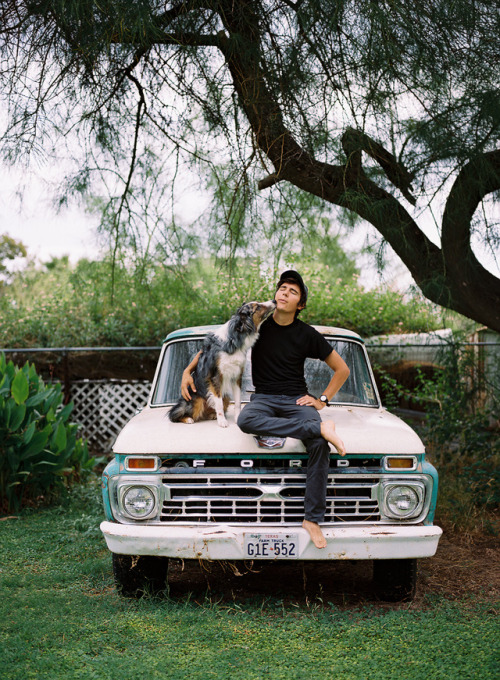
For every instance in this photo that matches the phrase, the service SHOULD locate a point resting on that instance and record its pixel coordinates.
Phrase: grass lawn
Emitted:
(60, 617)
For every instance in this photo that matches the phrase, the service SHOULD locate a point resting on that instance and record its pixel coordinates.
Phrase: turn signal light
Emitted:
(393, 463)
(141, 463)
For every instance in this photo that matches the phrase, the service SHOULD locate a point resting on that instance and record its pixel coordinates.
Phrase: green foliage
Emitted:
(458, 426)
(39, 448)
(346, 304)
(72, 306)
(9, 250)
(460, 404)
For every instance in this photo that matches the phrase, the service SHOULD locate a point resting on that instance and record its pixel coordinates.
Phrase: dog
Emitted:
(221, 365)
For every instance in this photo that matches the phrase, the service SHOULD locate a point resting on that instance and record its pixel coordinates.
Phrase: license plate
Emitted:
(271, 546)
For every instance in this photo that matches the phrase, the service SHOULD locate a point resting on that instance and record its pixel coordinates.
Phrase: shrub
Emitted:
(73, 306)
(39, 448)
(457, 432)
(458, 424)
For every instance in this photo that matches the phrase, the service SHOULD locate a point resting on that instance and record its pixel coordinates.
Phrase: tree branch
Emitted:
(471, 280)
(181, 9)
(181, 39)
(346, 186)
(268, 181)
(186, 39)
(141, 105)
(355, 141)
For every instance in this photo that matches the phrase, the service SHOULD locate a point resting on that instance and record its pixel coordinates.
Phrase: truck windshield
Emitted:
(358, 388)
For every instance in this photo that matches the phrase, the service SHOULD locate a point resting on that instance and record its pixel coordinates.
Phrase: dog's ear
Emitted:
(243, 321)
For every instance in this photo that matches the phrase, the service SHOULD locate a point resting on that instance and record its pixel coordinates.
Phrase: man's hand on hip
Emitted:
(308, 400)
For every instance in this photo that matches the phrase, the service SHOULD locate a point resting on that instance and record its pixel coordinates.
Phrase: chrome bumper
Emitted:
(226, 542)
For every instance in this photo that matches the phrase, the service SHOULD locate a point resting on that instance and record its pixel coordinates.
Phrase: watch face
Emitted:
(323, 398)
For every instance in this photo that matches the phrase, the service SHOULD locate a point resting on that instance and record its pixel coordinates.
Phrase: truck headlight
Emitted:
(138, 502)
(402, 501)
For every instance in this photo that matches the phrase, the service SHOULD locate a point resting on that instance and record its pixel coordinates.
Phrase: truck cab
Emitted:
(202, 492)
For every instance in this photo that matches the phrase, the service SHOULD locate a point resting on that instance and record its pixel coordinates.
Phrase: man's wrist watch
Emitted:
(324, 399)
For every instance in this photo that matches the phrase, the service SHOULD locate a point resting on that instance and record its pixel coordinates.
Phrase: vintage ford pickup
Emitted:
(202, 492)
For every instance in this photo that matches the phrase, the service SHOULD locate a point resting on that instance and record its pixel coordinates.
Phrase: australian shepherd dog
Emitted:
(220, 367)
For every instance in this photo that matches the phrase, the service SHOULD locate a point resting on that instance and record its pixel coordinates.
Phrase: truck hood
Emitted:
(363, 430)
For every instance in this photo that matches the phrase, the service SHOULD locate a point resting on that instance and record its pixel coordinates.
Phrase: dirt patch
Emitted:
(461, 568)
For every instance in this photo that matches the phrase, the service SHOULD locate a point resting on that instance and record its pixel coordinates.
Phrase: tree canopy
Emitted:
(372, 106)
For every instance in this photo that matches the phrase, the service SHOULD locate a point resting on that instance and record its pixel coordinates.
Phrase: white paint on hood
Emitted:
(363, 430)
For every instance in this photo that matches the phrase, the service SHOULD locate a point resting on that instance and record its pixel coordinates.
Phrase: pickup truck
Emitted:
(201, 492)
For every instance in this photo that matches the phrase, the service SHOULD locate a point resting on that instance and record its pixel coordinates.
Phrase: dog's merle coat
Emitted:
(220, 367)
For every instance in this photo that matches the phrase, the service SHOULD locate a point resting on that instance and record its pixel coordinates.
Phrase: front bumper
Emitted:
(225, 542)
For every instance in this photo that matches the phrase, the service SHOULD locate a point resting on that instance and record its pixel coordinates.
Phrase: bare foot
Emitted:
(315, 533)
(328, 433)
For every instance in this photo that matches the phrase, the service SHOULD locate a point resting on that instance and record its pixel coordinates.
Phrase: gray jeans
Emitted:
(281, 416)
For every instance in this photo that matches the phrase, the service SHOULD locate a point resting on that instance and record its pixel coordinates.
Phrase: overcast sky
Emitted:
(33, 219)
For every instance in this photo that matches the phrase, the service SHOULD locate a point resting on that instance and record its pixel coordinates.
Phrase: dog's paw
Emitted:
(189, 421)
(222, 422)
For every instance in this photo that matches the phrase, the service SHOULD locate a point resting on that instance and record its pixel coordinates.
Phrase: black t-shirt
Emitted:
(278, 356)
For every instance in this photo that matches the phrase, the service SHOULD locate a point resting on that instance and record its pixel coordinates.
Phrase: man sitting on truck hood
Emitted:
(281, 405)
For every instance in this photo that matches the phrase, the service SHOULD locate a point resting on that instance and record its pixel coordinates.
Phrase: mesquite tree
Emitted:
(370, 106)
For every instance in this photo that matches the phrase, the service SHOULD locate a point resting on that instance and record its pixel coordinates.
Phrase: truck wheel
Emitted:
(138, 575)
(395, 580)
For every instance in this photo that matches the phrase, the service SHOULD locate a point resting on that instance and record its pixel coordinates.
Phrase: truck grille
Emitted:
(269, 499)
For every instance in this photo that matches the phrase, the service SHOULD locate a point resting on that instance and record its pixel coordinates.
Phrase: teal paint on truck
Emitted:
(429, 469)
(111, 470)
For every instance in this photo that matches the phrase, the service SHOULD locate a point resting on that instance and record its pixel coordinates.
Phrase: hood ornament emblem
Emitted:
(269, 442)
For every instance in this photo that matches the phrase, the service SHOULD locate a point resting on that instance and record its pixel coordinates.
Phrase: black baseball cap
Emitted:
(294, 276)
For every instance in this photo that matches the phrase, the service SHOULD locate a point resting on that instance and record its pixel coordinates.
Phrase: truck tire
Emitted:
(395, 580)
(138, 575)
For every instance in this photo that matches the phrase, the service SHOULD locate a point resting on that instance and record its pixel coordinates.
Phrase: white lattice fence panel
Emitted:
(85, 396)
(118, 402)
(103, 407)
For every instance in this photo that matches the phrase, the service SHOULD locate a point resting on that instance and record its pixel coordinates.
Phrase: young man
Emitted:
(281, 405)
